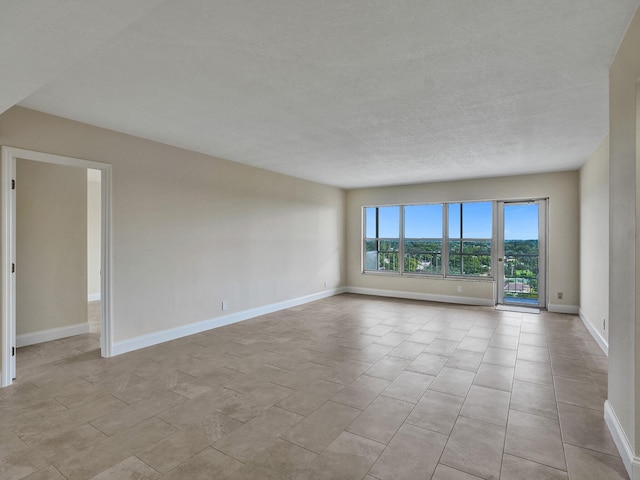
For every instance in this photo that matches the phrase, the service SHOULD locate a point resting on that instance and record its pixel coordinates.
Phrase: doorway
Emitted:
(521, 272)
(9, 266)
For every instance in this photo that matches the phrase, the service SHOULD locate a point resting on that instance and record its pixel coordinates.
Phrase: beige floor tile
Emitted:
(436, 411)
(453, 334)
(423, 336)
(474, 344)
(348, 456)
(412, 453)
(441, 347)
(584, 464)
(206, 465)
(381, 420)
(447, 473)
(507, 330)
(133, 414)
(533, 353)
(428, 364)
(504, 341)
(310, 397)
(533, 372)
(535, 339)
(130, 468)
(149, 389)
(584, 427)
(536, 399)
(494, 376)
(346, 371)
(564, 349)
(453, 381)
(487, 404)
(361, 392)
(407, 350)
(475, 447)
(516, 468)
(408, 386)
(109, 452)
(535, 438)
(255, 402)
(171, 451)
(388, 368)
(378, 330)
(465, 360)
(392, 339)
(257, 435)
(283, 460)
(302, 359)
(500, 356)
(602, 381)
(578, 392)
(320, 428)
(435, 326)
(570, 367)
(49, 473)
(481, 332)
(407, 328)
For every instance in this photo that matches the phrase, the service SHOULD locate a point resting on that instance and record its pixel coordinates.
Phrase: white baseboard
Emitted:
(570, 309)
(630, 460)
(604, 345)
(94, 297)
(423, 296)
(162, 336)
(51, 334)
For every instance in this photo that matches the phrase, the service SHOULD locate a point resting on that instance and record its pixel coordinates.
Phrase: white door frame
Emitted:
(543, 297)
(8, 239)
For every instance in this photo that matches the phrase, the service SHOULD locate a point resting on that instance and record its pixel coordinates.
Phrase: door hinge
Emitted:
(13, 268)
(13, 184)
(13, 351)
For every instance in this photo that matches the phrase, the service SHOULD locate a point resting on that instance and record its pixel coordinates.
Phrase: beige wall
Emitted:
(594, 240)
(624, 235)
(563, 247)
(190, 231)
(51, 246)
(94, 216)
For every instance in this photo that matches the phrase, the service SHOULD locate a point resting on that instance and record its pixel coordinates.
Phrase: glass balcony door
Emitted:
(521, 253)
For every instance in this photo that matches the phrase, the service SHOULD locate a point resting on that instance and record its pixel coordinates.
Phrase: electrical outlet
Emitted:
(459, 289)
(225, 305)
(560, 295)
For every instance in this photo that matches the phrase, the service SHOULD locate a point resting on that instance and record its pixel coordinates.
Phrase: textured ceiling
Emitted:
(347, 93)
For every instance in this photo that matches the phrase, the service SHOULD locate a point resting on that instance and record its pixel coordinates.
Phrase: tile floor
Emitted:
(349, 387)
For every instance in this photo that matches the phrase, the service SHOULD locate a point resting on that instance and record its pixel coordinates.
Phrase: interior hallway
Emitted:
(347, 387)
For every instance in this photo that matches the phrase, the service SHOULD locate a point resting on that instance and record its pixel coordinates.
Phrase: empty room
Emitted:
(319, 240)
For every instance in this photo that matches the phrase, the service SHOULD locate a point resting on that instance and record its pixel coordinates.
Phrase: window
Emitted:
(382, 239)
(470, 227)
(411, 239)
(423, 239)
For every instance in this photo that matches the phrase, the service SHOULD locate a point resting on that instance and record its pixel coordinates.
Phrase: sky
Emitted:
(425, 221)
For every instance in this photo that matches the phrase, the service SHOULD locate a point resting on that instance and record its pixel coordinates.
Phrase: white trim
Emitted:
(93, 297)
(51, 334)
(430, 297)
(595, 333)
(8, 257)
(630, 460)
(570, 309)
(162, 336)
